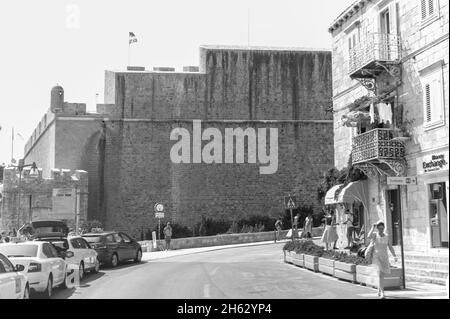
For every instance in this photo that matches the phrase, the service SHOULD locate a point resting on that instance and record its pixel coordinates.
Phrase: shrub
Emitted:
(211, 227)
(178, 231)
(87, 225)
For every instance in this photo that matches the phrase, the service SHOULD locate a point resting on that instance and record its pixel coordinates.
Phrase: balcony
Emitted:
(377, 146)
(370, 57)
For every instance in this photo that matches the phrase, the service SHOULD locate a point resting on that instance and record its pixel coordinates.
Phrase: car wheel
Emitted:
(81, 271)
(26, 293)
(48, 292)
(138, 256)
(114, 260)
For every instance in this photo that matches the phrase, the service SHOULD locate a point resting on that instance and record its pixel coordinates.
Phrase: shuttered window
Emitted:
(433, 99)
(429, 9)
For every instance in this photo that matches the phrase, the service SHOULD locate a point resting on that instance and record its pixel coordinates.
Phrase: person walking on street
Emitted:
(168, 235)
(295, 226)
(380, 259)
(278, 226)
(307, 228)
(330, 234)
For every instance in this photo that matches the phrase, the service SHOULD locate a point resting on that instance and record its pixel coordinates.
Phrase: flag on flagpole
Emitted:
(132, 38)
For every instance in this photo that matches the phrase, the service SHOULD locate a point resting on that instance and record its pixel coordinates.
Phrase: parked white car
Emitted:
(13, 282)
(44, 266)
(84, 257)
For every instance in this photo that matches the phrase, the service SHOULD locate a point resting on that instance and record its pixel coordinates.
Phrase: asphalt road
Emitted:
(256, 272)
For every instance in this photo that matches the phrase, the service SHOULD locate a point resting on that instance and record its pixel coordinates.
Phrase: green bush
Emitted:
(87, 225)
(178, 231)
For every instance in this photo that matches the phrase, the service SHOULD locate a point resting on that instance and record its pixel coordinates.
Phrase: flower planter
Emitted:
(345, 271)
(288, 257)
(367, 275)
(298, 260)
(326, 266)
(311, 262)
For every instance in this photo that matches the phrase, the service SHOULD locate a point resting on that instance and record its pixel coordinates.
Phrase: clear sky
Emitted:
(72, 42)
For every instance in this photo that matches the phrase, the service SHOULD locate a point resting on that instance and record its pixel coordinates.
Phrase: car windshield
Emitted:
(93, 239)
(60, 244)
(19, 250)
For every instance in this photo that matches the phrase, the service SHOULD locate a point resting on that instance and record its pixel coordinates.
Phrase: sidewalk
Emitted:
(179, 252)
(415, 290)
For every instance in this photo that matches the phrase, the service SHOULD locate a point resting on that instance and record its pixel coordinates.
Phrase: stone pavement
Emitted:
(414, 290)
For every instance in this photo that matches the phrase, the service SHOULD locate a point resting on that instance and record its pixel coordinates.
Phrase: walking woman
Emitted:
(380, 259)
(330, 234)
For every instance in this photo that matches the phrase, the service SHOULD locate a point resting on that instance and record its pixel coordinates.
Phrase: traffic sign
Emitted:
(159, 210)
(159, 215)
(402, 180)
(290, 202)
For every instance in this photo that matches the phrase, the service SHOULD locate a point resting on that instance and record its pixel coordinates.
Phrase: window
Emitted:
(429, 10)
(353, 39)
(433, 99)
(118, 238)
(125, 238)
(76, 243)
(84, 244)
(47, 250)
(6, 265)
(110, 239)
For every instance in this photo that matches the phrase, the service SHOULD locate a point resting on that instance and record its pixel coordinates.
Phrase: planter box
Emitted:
(288, 257)
(326, 266)
(345, 271)
(311, 262)
(298, 260)
(368, 276)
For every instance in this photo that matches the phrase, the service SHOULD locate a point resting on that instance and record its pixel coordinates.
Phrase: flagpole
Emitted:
(129, 49)
(12, 144)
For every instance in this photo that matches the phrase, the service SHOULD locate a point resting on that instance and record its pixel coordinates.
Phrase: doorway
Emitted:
(395, 209)
(438, 215)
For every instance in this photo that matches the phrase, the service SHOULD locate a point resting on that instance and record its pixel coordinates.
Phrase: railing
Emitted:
(376, 144)
(374, 47)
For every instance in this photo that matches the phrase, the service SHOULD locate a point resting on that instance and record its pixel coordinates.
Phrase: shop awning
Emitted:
(353, 192)
(330, 197)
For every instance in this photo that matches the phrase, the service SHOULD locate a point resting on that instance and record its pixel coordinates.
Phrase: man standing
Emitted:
(295, 226)
(308, 226)
(278, 225)
(168, 235)
(350, 228)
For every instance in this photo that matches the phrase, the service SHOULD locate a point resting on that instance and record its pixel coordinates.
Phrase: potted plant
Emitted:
(345, 266)
(367, 275)
(326, 262)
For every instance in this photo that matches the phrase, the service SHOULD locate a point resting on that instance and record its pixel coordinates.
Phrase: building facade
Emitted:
(391, 116)
(126, 145)
(29, 197)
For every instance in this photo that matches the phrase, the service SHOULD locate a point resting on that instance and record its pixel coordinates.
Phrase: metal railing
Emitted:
(374, 47)
(375, 145)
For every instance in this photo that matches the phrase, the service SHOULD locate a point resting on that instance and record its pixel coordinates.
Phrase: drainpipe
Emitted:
(401, 242)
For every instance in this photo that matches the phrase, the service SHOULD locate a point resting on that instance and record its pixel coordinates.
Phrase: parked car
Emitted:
(84, 256)
(114, 247)
(13, 282)
(44, 266)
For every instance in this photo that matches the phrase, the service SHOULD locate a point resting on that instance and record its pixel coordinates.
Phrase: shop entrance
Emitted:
(394, 205)
(438, 215)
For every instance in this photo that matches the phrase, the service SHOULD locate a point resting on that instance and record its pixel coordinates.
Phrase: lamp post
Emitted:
(33, 173)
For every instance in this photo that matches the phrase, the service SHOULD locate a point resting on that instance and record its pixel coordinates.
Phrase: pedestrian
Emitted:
(350, 228)
(380, 259)
(307, 228)
(330, 234)
(295, 226)
(168, 235)
(278, 226)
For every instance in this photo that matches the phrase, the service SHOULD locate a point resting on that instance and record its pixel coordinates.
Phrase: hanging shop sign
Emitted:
(433, 163)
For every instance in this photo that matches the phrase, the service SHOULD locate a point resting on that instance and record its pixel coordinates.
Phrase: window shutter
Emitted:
(428, 103)
(424, 9)
(430, 7)
(393, 18)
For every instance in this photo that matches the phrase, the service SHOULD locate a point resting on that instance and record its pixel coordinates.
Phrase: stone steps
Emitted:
(425, 279)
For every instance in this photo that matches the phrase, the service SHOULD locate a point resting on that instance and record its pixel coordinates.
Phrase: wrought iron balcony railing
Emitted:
(376, 145)
(373, 50)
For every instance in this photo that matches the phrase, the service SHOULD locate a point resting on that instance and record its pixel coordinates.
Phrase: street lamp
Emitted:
(33, 173)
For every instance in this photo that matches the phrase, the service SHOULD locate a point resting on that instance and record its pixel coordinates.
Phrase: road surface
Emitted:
(255, 272)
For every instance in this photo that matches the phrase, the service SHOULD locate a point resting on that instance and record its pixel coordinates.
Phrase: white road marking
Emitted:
(206, 289)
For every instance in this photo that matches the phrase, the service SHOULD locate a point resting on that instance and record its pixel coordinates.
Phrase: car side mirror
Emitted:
(69, 254)
(19, 268)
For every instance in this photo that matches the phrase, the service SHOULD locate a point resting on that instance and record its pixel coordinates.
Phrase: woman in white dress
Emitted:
(330, 235)
(380, 259)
